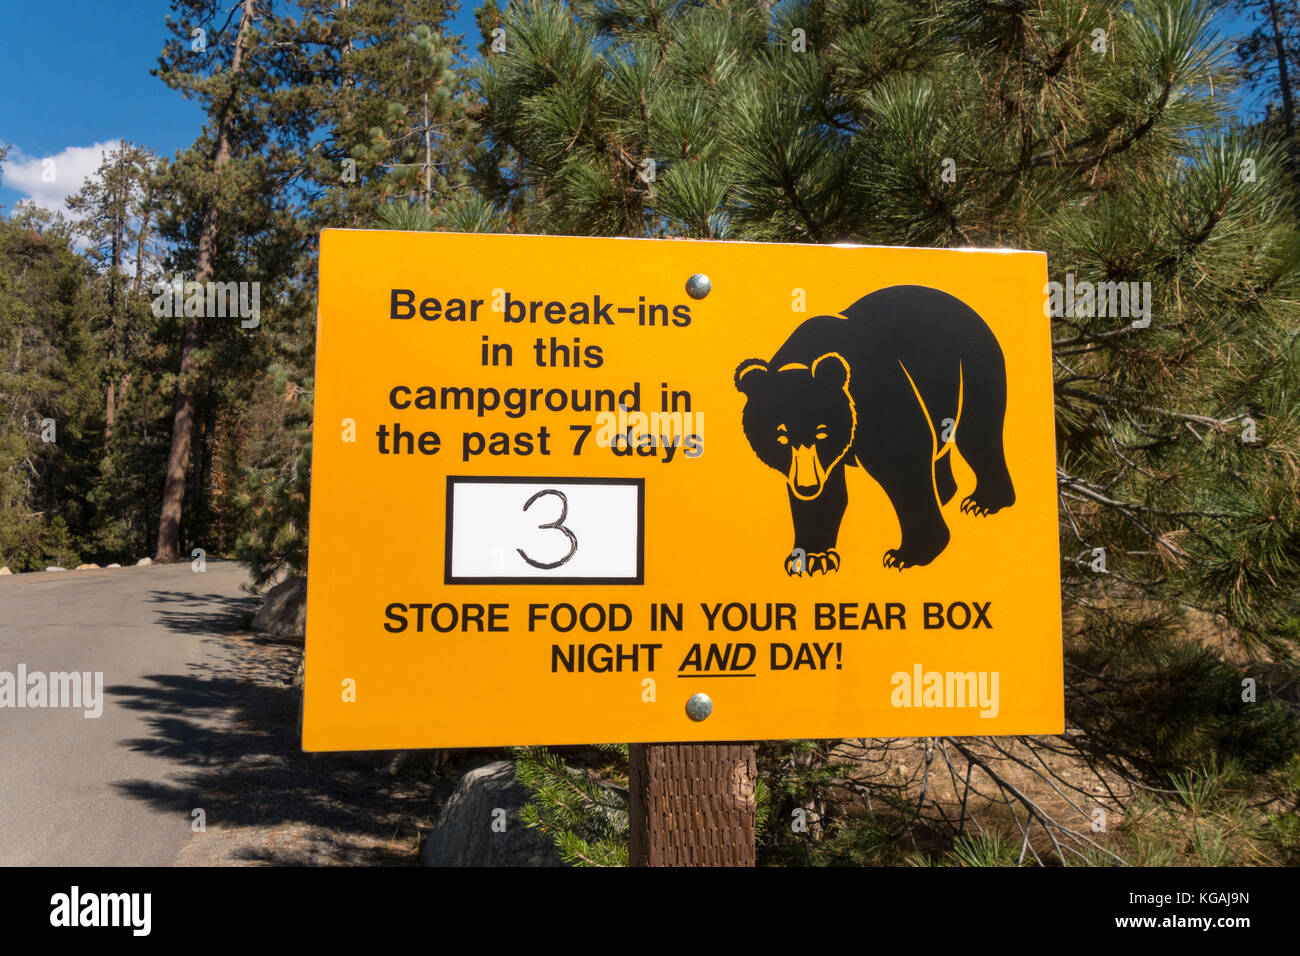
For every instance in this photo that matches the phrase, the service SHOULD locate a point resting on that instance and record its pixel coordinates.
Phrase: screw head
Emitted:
(698, 286)
(699, 707)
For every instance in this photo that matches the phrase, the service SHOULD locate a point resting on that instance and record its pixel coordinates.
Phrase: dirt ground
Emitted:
(268, 803)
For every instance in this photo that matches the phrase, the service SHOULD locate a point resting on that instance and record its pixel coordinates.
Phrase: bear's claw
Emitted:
(894, 559)
(811, 563)
(987, 501)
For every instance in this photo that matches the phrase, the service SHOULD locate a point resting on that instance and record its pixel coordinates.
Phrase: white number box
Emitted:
(545, 530)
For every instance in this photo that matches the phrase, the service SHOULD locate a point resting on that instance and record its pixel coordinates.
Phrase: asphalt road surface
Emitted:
(112, 790)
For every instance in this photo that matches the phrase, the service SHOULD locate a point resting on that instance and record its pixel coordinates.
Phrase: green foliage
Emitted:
(272, 497)
(471, 214)
(407, 217)
(1209, 818)
(381, 106)
(1162, 702)
(48, 389)
(985, 849)
(1281, 826)
(584, 812)
(796, 779)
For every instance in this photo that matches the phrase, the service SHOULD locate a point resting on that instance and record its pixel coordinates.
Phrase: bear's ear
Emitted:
(749, 373)
(831, 369)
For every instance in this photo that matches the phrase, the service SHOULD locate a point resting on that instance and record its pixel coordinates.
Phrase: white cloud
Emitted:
(68, 168)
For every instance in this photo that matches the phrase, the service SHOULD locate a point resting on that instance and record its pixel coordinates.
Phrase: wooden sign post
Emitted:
(692, 804)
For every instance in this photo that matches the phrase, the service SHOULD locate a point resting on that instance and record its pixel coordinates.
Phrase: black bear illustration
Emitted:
(873, 387)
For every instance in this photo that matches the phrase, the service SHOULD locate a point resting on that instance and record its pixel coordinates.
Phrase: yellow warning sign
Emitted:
(577, 490)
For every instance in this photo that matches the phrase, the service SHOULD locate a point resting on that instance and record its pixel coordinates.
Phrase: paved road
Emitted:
(115, 790)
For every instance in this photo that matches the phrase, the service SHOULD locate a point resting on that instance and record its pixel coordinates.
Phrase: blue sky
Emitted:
(75, 78)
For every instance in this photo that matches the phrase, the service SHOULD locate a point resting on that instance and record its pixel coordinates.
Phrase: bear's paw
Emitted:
(894, 558)
(971, 506)
(988, 498)
(811, 563)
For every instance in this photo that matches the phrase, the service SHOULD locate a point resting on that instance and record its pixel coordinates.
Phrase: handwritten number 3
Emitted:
(558, 525)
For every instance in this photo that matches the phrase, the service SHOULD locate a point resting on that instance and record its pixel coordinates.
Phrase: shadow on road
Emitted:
(210, 612)
(233, 726)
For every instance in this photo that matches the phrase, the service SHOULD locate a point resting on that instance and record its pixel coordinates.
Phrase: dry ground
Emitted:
(268, 803)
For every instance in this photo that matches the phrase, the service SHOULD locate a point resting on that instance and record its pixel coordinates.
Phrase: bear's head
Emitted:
(799, 419)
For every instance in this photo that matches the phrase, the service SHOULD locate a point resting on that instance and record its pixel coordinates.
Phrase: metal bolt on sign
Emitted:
(699, 707)
(698, 286)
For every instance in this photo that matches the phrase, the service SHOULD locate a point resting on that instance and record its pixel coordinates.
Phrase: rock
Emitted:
(144, 562)
(52, 568)
(284, 612)
(464, 834)
(5, 571)
(112, 565)
(88, 567)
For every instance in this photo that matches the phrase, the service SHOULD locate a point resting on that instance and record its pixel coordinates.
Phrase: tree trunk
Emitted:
(1284, 81)
(169, 522)
(428, 157)
(141, 244)
(108, 413)
(119, 213)
(345, 77)
(196, 480)
(146, 214)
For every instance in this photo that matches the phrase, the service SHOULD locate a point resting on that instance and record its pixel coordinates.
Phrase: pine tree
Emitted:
(52, 428)
(220, 70)
(371, 113)
(273, 468)
(116, 213)
(234, 210)
(381, 106)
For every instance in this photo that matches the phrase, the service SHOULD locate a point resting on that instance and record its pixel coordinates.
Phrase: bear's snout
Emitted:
(806, 472)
